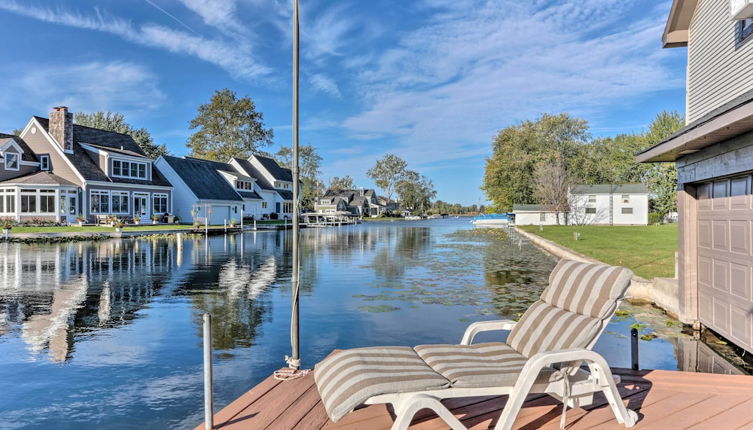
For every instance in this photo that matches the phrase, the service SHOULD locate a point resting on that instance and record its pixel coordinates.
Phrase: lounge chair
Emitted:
(543, 354)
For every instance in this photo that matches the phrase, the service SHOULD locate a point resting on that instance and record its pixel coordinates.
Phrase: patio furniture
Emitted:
(543, 354)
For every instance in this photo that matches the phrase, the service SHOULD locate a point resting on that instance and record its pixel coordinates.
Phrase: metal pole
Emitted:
(208, 386)
(634, 348)
(295, 360)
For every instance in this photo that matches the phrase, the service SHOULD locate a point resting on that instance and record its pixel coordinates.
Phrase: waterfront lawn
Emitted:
(100, 229)
(383, 218)
(648, 250)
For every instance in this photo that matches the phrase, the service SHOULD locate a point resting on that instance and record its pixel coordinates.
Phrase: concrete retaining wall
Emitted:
(662, 292)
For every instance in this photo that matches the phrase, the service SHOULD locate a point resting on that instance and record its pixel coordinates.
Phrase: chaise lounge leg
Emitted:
(604, 380)
(407, 408)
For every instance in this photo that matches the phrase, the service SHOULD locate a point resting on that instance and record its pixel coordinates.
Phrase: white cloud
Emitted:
(235, 57)
(468, 71)
(221, 14)
(115, 86)
(324, 84)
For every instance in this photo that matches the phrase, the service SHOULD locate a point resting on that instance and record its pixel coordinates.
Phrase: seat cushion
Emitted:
(348, 378)
(480, 365)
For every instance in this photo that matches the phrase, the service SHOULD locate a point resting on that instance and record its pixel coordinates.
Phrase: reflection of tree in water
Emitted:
(401, 248)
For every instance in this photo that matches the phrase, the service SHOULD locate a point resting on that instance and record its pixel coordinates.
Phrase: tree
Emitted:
(517, 149)
(309, 162)
(661, 178)
(387, 173)
(344, 183)
(552, 186)
(228, 126)
(113, 121)
(415, 191)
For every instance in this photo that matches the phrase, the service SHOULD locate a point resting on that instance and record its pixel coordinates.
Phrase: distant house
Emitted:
(621, 204)
(55, 170)
(279, 179)
(361, 202)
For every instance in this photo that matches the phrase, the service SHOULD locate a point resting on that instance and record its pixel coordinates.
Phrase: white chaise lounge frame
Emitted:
(576, 390)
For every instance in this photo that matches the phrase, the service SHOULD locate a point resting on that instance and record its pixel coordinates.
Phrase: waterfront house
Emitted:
(272, 201)
(714, 158)
(209, 190)
(361, 202)
(601, 204)
(55, 170)
(279, 179)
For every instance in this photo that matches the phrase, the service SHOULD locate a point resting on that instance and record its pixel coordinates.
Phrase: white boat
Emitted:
(492, 220)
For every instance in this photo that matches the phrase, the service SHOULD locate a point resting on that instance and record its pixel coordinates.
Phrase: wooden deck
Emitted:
(663, 400)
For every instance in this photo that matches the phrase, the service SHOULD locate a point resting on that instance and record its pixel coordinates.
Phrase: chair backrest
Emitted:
(573, 309)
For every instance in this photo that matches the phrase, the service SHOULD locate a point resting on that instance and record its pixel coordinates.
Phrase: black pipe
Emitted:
(634, 347)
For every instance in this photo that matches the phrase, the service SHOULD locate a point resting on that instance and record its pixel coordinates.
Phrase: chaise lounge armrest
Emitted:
(482, 326)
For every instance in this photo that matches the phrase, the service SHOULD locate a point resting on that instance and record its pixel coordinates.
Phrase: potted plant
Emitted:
(233, 223)
(118, 224)
(155, 219)
(176, 219)
(137, 219)
(7, 224)
(196, 224)
(170, 218)
(80, 218)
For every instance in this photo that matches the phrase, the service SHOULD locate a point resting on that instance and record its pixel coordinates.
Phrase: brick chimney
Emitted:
(61, 127)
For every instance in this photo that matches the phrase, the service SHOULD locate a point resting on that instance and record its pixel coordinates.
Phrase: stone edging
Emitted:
(662, 292)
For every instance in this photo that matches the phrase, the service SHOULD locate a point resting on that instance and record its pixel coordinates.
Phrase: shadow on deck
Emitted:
(663, 400)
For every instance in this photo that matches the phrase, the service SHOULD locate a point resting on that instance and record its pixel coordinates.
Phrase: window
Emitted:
(100, 202)
(738, 186)
(243, 185)
(10, 200)
(542, 217)
(263, 205)
(11, 161)
(626, 198)
(44, 162)
(160, 204)
(720, 189)
(287, 207)
(744, 31)
(128, 169)
(592, 198)
(627, 211)
(590, 210)
(120, 202)
(47, 201)
(28, 202)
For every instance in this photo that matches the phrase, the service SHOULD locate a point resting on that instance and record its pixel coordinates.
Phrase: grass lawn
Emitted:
(98, 229)
(648, 250)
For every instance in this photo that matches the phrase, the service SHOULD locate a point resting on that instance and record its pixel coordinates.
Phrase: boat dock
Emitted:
(663, 399)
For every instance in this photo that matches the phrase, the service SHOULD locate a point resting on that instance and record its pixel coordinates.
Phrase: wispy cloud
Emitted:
(221, 14)
(324, 84)
(453, 82)
(236, 58)
(114, 86)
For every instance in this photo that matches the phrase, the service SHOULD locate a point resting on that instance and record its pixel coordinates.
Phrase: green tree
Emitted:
(516, 150)
(228, 126)
(415, 191)
(661, 178)
(309, 162)
(387, 173)
(344, 183)
(113, 121)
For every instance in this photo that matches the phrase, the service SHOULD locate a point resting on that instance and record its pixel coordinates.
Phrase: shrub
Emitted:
(654, 217)
(274, 215)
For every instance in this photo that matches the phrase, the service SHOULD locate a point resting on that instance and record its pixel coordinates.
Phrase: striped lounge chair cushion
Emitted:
(348, 378)
(479, 365)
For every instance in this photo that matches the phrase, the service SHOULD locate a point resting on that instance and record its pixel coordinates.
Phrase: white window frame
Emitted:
(121, 194)
(45, 193)
(92, 193)
(591, 209)
(592, 198)
(44, 162)
(160, 196)
(34, 195)
(622, 211)
(264, 204)
(126, 166)
(18, 160)
(626, 198)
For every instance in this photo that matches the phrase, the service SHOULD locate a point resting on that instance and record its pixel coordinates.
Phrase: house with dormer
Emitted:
(55, 170)
(280, 179)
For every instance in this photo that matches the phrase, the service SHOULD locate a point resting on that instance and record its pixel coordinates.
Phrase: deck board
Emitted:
(663, 399)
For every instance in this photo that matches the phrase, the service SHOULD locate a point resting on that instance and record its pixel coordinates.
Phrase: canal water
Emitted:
(108, 334)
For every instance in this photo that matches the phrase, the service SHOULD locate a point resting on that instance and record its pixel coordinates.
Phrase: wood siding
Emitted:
(59, 166)
(718, 70)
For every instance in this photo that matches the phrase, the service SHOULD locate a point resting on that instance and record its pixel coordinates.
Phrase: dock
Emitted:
(663, 399)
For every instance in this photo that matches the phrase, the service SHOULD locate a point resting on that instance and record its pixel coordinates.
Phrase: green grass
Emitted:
(98, 229)
(648, 250)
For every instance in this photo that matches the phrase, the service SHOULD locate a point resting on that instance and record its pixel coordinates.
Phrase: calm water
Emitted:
(107, 334)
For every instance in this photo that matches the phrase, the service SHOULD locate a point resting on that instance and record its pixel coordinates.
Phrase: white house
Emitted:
(274, 184)
(608, 204)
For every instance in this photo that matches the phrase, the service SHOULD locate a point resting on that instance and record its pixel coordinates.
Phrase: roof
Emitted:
(249, 194)
(521, 207)
(107, 139)
(117, 150)
(39, 178)
(678, 23)
(728, 120)
(261, 181)
(286, 195)
(203, 178)
(274, 169)
(27, 155)
(609, 188)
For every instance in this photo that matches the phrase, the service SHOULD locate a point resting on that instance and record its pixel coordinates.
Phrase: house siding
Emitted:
(723, 159)
(39, 144)
(718, 70)
(23, 169)
(130, 192)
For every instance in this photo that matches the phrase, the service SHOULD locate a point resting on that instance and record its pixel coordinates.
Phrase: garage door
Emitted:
(725, 258)
(219, 215)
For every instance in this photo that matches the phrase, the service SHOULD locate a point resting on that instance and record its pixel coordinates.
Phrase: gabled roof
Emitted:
(27, 155)
(39, 178)
(678, 23)
(609, 188)
(249, 194)
(203, 177)
(286, 195)
(108, 139)
(261, 181)
(520, 207)
(274, 169)
(117, 150)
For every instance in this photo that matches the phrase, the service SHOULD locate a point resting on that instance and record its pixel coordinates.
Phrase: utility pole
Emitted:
(294, 361)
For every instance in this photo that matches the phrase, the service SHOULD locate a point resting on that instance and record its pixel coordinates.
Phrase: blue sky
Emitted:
(429, 80)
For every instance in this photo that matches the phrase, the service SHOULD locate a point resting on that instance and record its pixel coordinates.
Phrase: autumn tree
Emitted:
(309, 163)
(415, 191)
(227, 127)
(552, 185)
(115, 122)
(387, 173)
(344, 183)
